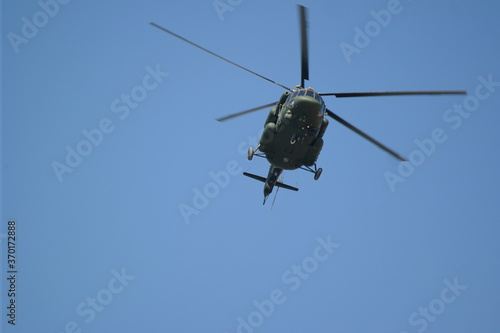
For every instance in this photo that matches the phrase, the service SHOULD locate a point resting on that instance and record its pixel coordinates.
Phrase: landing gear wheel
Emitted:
(317, 173)
(250, 153)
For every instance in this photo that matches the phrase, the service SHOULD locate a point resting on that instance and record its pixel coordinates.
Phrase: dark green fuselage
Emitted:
(293, 130)
(293, 133)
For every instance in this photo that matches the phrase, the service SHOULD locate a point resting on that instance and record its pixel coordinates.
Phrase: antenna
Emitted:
(276, 194)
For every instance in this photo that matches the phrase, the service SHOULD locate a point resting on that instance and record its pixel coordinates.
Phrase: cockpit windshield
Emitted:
(305, 92)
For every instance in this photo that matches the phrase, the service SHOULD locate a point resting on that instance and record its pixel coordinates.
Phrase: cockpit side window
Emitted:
(290, 97)
(319, 99)
(289, 101)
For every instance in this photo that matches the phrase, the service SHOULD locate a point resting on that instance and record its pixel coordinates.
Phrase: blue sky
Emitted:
(108, 133)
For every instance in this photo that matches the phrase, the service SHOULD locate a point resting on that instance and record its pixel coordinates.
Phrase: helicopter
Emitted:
(293, 131)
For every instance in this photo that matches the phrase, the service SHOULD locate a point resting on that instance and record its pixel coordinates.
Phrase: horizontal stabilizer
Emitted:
(263, 179)
(288, 187)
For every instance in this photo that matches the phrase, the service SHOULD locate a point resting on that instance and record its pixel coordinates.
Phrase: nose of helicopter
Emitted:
(309, 108)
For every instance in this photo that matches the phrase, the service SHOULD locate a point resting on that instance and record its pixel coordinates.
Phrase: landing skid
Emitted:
(254, 152)
(317, 172)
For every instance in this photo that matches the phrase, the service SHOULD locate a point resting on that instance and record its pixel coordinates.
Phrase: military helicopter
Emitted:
(294, 128)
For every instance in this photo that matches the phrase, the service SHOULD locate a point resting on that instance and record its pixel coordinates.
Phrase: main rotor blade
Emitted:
(304, 53)
(364, 135)
(396, 93)
(234, 115)
(218, 56)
